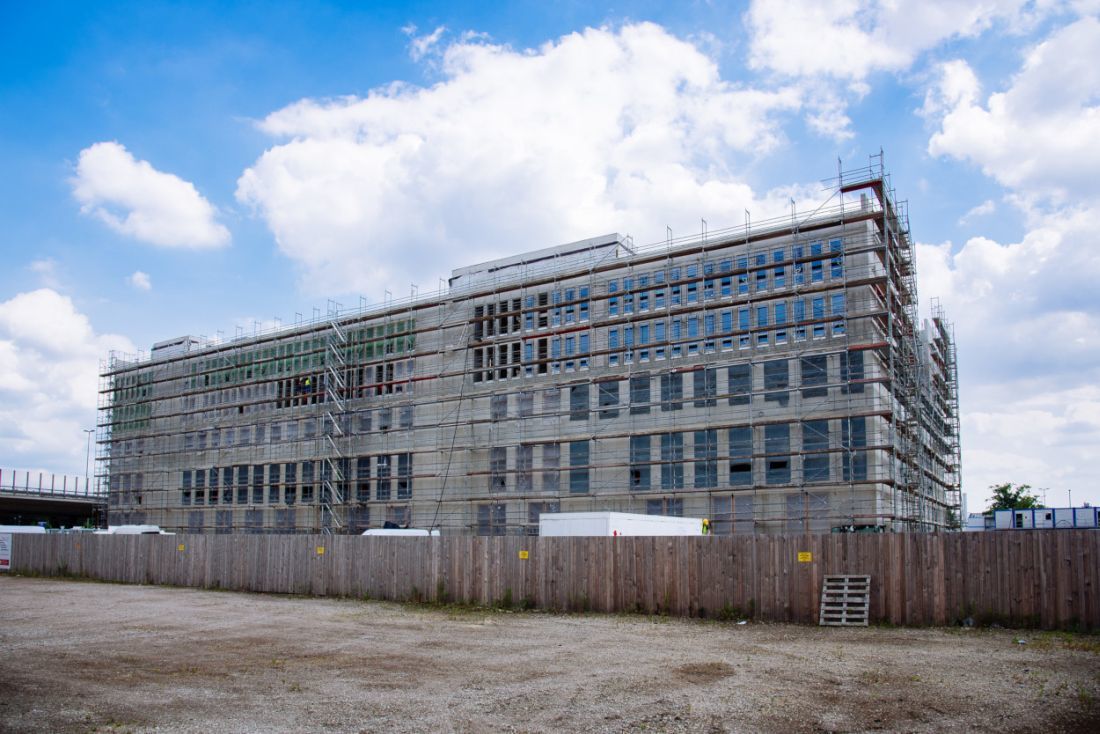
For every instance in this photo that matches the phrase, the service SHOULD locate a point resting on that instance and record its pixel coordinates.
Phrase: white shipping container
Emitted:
(34, 529)
(614, 524)
(415, 532)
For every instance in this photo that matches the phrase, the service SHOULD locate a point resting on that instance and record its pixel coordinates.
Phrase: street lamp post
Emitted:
(87, 457)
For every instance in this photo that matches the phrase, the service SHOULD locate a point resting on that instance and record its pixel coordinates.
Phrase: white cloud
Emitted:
(984, 209)
(421, 46)
(603, 130)
(1027, 318)
(49, 368)
(1028, 329)
(134, 199)
(850, 39)
(140, 281)
(1038, 136)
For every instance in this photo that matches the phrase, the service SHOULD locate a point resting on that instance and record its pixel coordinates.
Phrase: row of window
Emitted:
(661, 460)
(648, 292)
(125, 488)
(388, 475)
(651, 291)
(540, 311)
(285, 520)
(776, 379)
(722, 322)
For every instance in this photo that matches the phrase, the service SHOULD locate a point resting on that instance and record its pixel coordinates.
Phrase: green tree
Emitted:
(1010, 496)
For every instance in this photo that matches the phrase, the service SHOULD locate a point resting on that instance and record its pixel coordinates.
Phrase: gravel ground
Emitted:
(80, 657)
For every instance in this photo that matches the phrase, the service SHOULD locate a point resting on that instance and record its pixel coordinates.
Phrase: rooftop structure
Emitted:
(770, 377)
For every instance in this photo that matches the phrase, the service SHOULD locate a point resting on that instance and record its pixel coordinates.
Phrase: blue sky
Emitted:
(192, 168)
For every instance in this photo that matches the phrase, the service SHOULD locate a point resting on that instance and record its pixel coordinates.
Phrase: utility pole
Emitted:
(88, 458)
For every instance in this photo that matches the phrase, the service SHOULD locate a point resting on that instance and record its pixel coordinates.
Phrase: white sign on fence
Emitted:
(5, 551)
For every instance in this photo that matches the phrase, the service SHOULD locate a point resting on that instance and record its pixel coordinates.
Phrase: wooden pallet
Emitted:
(845, 601)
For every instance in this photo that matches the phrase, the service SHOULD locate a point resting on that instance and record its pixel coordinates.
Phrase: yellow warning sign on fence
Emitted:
(181, 547)
(320, 550)
(805, 557)
(523, 555)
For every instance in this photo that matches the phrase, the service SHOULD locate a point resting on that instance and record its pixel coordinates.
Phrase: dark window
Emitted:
(492, 519)
(242, 485)
(672, 391)
(672, 458)
(308, 474)
(639, 462)
(524, 463)
(404, 476)
(578, 402)
(608, 394)
(273, 476)
(257, 485)
(851, 371)
(706, 459)
(382, 476)
(551, 462)
(814, 376)
(498, 407)
(498, 469)
(578, 467)
(705, 387)
(740, 384)
(362, 479)
(740, 439)
(854, 441)
(672, 507)
(777, 440)
(639, 394)
(776, 380)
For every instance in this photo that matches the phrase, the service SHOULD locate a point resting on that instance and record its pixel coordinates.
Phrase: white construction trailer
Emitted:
(614, 524)
(1047, 517)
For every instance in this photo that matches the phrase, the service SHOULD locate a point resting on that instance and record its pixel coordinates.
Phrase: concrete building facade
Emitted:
(772, 378)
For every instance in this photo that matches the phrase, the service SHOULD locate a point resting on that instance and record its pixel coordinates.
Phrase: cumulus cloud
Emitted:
(134, 199)
(1038, 136)
(630, 130)
(1029, 355)
(140, 281)
(49, 367)
(1029, 334)
(1026, 313)
(850, 39)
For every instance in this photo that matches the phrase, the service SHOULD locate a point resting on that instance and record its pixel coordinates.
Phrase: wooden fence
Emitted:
(1041, 578)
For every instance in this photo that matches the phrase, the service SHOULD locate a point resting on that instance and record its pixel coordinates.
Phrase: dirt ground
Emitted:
(79, 657)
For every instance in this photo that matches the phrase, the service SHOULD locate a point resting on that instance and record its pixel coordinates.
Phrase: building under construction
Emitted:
(771, 377)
